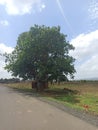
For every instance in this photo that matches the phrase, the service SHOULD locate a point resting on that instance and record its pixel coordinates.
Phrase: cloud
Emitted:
(3, 49)
(3, 73)
(93, 14)
(93, 9)
(21, 7)
(4, 22)
(86, 54)
(89, 69)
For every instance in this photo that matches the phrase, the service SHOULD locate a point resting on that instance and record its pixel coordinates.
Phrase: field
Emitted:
(77, 95)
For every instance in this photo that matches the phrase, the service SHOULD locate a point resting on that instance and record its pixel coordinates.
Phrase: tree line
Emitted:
(10, 80)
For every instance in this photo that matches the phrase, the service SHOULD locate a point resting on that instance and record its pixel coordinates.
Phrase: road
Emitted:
(24, 112)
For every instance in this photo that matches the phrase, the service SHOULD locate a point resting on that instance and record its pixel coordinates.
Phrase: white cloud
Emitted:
(86, 54)
(21, 7)
(93, 14)
(89, 69)
(93, 9)
(3, 49)
(3, 73)
(4, 22)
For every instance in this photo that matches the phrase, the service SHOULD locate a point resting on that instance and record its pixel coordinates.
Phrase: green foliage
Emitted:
(42, 54)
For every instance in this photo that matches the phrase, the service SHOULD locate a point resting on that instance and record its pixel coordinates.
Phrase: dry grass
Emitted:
(21, 85)
(82, 87)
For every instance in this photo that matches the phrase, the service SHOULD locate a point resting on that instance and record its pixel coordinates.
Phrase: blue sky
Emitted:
(78, 19)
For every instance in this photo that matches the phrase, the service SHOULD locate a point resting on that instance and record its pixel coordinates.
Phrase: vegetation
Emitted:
(80, 95)
(41, 54)
(77, 95)
(11, 80)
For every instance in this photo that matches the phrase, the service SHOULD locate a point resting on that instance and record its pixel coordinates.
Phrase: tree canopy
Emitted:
(42, 53)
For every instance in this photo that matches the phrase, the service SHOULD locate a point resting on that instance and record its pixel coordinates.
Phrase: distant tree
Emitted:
(42, 54)
(9, 80)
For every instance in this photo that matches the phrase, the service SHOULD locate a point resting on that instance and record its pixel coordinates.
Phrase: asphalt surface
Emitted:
(24, 112)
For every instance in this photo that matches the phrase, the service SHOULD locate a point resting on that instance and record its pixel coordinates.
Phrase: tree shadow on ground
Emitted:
(64, 95)
(25, 92)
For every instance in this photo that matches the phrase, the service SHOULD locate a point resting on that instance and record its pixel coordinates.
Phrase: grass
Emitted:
(82, 96)
(77, 95)
(20, 86)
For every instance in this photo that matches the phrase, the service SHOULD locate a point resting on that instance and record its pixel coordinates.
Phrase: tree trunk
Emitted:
(39, 85)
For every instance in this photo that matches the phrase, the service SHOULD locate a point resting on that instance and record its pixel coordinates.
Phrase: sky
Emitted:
(78, 19)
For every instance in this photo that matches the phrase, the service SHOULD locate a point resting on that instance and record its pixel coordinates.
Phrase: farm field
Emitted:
(77, 95)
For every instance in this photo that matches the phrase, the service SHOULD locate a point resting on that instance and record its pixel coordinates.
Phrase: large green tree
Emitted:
(42, 53)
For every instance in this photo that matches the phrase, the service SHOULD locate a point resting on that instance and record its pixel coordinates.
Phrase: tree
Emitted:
(42, 54)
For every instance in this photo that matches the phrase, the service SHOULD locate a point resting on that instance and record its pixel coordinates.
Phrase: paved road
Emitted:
(23, 112)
